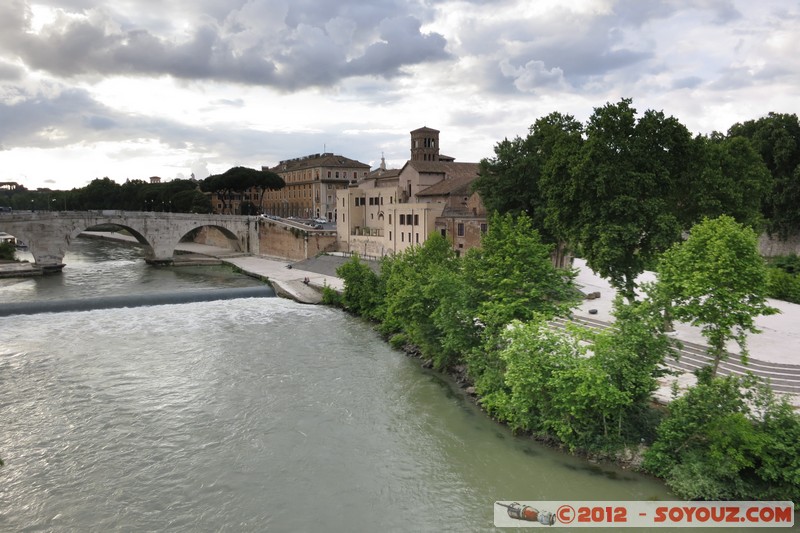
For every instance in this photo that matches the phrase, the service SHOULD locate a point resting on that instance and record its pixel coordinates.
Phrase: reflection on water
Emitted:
(97, 267)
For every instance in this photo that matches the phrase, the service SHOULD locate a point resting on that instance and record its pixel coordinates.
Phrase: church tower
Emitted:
(425, 144)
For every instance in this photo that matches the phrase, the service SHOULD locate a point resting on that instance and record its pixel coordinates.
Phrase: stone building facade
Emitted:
(310, 191)
(311, 185)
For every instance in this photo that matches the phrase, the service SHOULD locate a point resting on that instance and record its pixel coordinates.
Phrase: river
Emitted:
(245, 415)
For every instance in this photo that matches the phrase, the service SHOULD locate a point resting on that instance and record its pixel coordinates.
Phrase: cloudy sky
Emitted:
(134, 88)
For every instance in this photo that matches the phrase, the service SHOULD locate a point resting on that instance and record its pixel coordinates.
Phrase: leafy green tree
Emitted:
(238, 180)
(617, 200)
(532, 353)
(511, 277)
(716, 280)
(415, 287)
(99, 194)
(728, 439)
(512, 181)
(363, 293)
(191, 201)
(777, 138)
(598, 403)
(730, 178)
(631, 355)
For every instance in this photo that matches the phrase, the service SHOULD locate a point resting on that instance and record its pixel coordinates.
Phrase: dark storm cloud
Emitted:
(262, 42)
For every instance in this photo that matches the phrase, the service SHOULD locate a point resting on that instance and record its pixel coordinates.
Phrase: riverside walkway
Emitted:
(774, 353)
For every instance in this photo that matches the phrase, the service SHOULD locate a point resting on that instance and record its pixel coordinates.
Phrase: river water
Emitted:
(245, 415)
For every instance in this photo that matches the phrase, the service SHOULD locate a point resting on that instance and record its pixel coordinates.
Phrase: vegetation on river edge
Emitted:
(590, 391)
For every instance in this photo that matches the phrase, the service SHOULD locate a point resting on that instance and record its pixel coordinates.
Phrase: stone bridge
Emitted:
(48, 234)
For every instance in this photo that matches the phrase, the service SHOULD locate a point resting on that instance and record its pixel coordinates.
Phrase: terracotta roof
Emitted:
(449, 168)
(383, 173)
(317, 160)
(457, 176)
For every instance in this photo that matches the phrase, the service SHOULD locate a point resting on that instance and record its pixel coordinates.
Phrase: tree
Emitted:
(617, 199)
(730, 179)
(363, 293)
(512, 181)
(716, 280)
(511, 277)
(238, 180)
(415, 288)
(777, 138)
(8, 251)
(99, 194)
(728, 439)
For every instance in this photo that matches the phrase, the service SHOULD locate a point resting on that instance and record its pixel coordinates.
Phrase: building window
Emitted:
(402, 220)
(402, 237)
(416, 220)
(390, 235)
(381, 200)
(329, 173)
(390, 218)
(337, 173)
(460, 229)
(444, 232)
(483, 228)
(342, 217)
(416, 238)
(409, 236)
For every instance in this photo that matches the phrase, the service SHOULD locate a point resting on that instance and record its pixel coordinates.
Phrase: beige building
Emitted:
(311, 185)
(391, 210)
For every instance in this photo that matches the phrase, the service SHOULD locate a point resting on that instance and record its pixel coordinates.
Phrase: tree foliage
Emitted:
(7, 251)
(240, 179)
(363, 292)
(514, 181)
(776, 138)
(728, 439)
(418, 282)
(729, 178)
(595, 398)
(618, 199)
(513, 276)
(716, 280)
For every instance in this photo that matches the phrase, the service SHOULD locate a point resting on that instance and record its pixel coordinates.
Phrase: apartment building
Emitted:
(311, 185)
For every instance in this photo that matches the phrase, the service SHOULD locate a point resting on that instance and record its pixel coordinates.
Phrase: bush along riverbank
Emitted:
(485, 318)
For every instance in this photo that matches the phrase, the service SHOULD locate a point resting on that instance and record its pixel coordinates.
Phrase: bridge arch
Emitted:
(215, 235)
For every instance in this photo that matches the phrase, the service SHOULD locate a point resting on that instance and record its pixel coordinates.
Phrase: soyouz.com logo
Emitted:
(643, 514)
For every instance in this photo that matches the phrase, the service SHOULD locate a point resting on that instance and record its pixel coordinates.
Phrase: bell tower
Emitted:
(425, 144)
